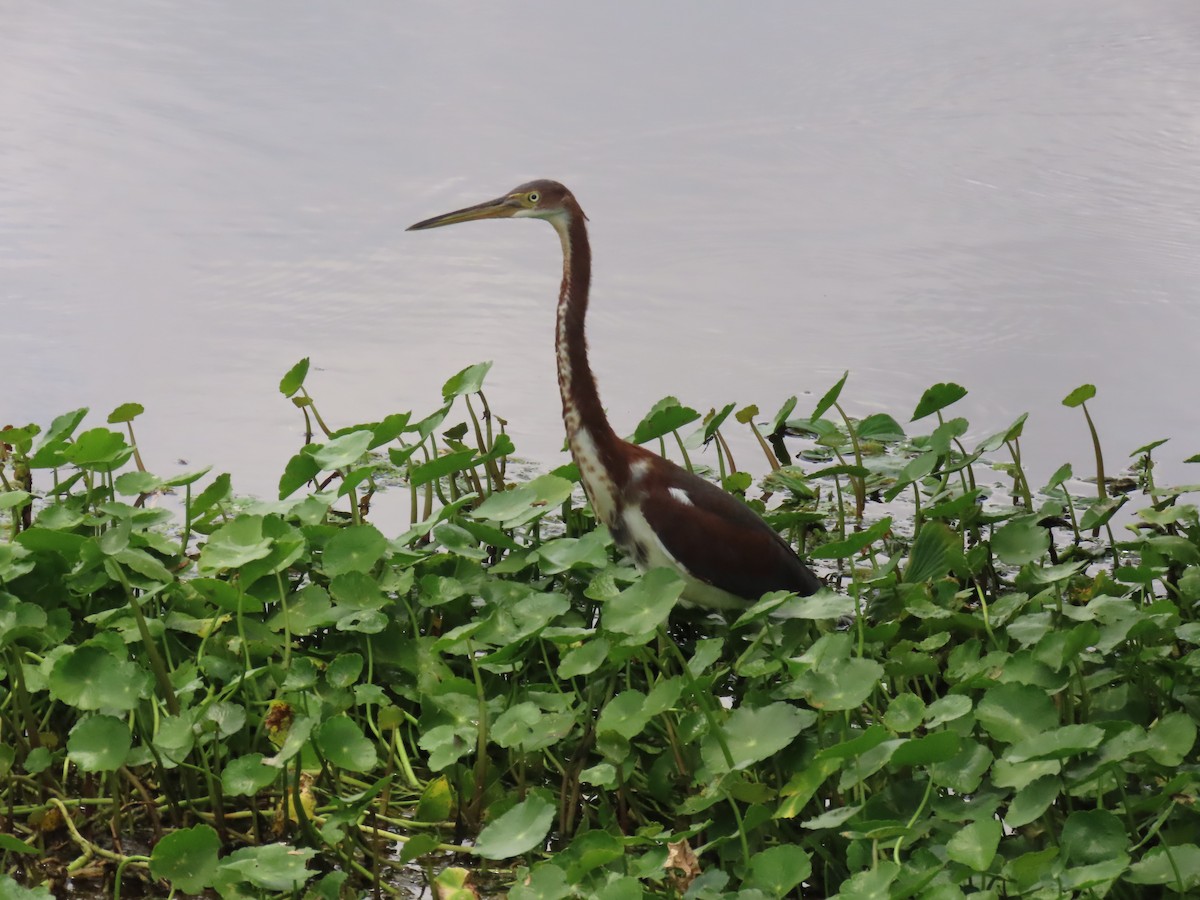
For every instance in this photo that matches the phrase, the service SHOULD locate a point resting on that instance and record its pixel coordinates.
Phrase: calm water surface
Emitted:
(194, 196)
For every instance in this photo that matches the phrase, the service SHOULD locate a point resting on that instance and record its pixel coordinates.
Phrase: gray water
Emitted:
(195, 196)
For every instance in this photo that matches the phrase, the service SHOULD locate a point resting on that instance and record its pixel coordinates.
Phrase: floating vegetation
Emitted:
(996, 696)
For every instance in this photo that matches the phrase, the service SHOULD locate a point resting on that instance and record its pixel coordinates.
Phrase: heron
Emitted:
(658, 513)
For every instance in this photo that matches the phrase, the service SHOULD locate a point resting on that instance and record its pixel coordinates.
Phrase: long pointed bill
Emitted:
(500, 208)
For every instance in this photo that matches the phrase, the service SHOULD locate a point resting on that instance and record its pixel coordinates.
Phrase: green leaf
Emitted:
(294, 379)
(11, 890)
(752, 735)
(1170, 739)
(904, 713)
(880, 427)
(99, 744)
(975, 844)
(276, 867)
(234, 544)
(1015, 712)
(1177, 867)
(14, 499)
(437, 801)
(300, 469)
(1032, 800)
(777, 870)
(98, 449)
(666, 416)
(344, 450)
(521, 829)
(1021, 541)
(965, 770)
(468, 381)
(624, 714)
(780, 418)
(126, 412)
(854, 543)
(355, 548)
(10, 844)
(830, 398)
(1069, 740)
(343, 743)
(247, 775)
(90, 677)
(441, 466)
(187, 858)
(939, 746)
(526, 502)
(824, 604)
(585, 659)
(938, 397)
(715, 420)
(844, 686)
(932, 553)
(1092, 836)
(1080, 395)
(644, 605)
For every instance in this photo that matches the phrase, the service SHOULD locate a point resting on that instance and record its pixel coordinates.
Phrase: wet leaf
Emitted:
(585, 659)
(664, 417)
(937, 398)
(343, 450)
(247, 775)
(294, 379)
(1069, 740)
(437, 801)
(521, 829)
(751, 735)
(1080, 395)
(126, 412)
(525, 502)
(854, 543)
(1092, 836)
(830, 397)
(276, 867)
(1021, 541)
(99, 744)
(343, 743)
(468, 381)
(1032, 800)
(975, 844)
(1015, 712)
(1177, 867)
(355, 548)
(644, 605)
(91, 677)
(187, 858)
(932, 553)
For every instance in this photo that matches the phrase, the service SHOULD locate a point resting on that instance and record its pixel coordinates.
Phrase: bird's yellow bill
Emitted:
(500, 208)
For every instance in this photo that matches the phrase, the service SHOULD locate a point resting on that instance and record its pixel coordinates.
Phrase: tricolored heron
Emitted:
(657, 512)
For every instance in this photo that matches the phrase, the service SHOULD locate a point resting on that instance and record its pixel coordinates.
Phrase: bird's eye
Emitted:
(533, 197)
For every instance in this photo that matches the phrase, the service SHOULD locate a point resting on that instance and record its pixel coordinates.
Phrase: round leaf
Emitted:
(99, 744)
(518, 831)
(975, 844)
(187, 858)
(344, 745)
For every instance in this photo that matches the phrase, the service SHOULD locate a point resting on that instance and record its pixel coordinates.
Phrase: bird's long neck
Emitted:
(591, 438)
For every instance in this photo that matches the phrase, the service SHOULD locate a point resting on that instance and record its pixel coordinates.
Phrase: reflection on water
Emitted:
(192, 197)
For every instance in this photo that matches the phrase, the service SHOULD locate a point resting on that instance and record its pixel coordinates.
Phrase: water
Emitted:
(194, 196)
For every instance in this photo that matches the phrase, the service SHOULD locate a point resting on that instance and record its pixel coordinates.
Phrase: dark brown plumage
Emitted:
(659, 513)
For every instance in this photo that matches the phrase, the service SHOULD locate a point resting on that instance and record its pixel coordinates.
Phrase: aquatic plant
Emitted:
(996, 696)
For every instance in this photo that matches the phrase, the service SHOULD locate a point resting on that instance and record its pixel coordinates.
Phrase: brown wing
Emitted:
(719, 539)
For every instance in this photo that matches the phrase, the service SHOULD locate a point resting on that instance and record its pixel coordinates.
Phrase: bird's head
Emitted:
(543, 199)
